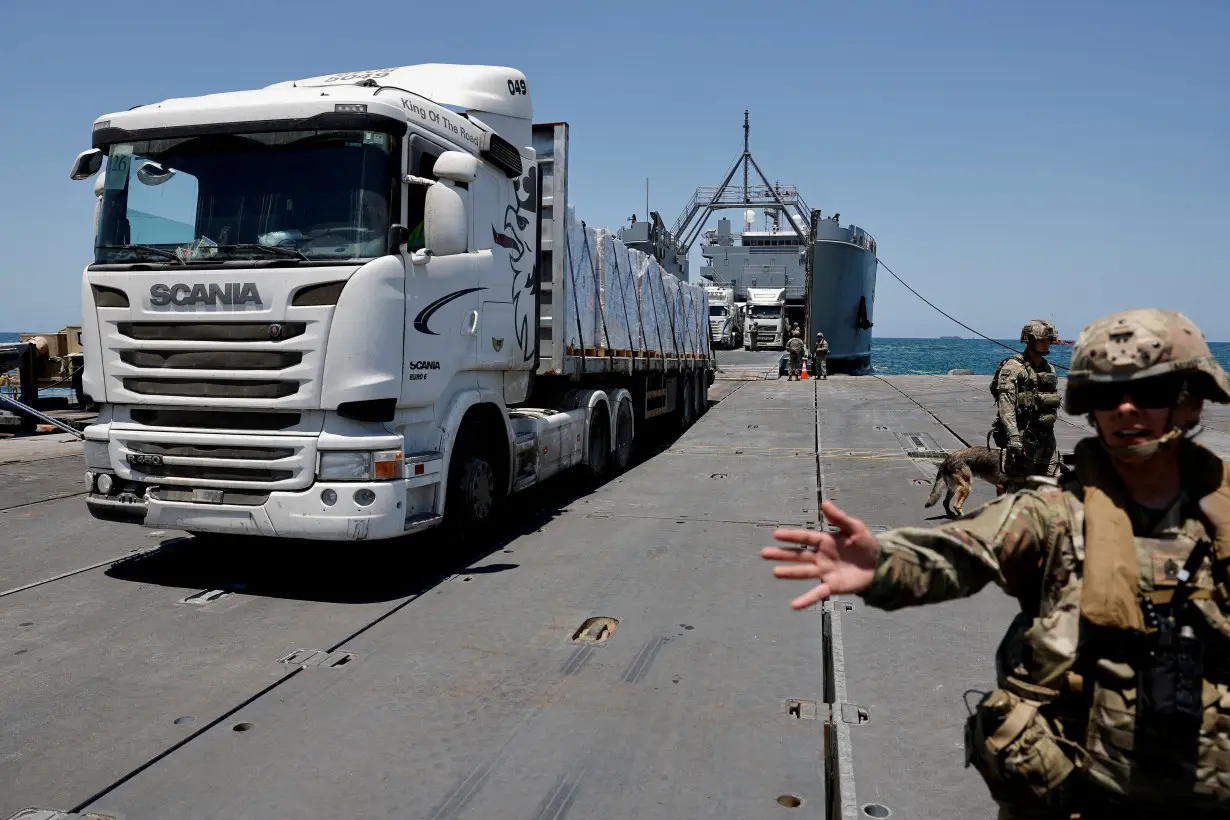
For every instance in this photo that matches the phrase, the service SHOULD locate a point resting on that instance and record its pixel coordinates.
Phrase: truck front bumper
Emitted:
(301, 514)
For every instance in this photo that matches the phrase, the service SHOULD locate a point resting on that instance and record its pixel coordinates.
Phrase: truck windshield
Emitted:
(717, 310)
(318, 194)
(765, 311)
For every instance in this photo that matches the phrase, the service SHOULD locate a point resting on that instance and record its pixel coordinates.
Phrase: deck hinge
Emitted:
(319, 658)
(848, 713)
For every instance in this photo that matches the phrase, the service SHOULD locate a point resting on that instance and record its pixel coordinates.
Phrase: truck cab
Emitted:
(766, 318)
(723, 317)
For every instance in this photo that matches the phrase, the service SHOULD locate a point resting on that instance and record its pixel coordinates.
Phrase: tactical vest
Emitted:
(1037, 400)
(1124, 714)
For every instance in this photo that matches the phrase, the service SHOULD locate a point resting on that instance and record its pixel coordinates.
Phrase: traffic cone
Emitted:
(803, 375)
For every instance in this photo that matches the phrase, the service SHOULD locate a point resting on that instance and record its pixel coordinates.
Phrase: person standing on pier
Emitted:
(1026, 393)
(1113, 695)
(821, 356)
(795, 348)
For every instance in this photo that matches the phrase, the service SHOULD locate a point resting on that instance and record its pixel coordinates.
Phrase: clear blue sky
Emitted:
(1013, 160)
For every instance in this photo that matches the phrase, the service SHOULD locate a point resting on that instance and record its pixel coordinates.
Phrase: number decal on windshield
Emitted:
(119, 163)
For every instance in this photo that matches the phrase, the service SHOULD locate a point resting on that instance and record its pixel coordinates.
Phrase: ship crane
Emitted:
(774, 199)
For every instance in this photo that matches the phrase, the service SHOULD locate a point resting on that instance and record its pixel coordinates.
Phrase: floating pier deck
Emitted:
(622, 652)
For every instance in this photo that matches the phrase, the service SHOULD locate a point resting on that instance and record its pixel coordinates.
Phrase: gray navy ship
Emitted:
(836, 299)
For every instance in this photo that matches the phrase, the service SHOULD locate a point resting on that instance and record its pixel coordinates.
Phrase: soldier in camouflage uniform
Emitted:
(821, 356)
(795, 348)
(1113, 695)
(1025, 388)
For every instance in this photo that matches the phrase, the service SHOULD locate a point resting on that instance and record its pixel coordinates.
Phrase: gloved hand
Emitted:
(1015, 447)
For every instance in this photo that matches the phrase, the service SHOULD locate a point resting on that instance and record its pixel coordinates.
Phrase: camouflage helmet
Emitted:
(1039, 330)
(1140, 344)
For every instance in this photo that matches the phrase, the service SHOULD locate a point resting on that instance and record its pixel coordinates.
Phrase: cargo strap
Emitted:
(1164, 597)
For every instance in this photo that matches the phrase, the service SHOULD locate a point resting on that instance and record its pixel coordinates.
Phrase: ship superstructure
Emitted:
(826, 271)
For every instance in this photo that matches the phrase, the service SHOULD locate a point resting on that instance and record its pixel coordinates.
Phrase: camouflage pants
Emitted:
(822, 366)
(796, 364)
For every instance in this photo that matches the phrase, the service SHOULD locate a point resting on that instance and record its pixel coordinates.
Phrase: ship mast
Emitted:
(778, 199)
(746, 152)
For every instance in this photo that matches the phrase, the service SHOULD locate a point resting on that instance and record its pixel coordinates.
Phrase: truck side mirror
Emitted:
(456, 166)
(87, 164)
(446, 226)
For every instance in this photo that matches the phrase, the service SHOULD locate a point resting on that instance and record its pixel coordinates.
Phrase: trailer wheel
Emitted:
(623, 436)
(599, 455)
(701, 394)
(686, 407)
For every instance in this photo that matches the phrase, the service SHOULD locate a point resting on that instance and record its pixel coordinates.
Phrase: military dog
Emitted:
(956, 472)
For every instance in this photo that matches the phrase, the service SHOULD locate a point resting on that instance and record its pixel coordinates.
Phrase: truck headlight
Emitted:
(96, 457)
(367, 465)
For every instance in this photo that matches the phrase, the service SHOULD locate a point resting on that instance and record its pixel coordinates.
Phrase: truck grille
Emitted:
(238, 461)
(210, 451)
(211, 331)
(211, 388)
(213, 419)
(237, 360)
(211, 359)
(206, 473)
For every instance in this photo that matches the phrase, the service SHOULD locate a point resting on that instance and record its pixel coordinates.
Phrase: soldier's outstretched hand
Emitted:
(843, 561)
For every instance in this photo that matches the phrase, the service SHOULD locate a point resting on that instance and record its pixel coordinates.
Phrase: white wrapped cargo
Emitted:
(652, 299)
(613, 293)
(702, 322)
(636, 327)
(691, 301)
(582, 308)
(678, 317)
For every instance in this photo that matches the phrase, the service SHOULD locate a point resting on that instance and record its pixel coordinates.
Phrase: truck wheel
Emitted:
(623, 436)
(685, 403)
(599, 455)
(472, 495)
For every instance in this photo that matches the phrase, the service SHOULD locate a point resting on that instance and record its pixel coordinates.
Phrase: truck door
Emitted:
(442, 297)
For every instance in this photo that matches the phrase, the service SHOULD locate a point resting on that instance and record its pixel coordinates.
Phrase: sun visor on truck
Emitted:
(105, 134)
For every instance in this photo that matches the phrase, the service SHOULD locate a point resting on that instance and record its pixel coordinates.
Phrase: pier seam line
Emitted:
(955, 434)
(841, 799)
(41, 501)
(126, 556)
(158, 758)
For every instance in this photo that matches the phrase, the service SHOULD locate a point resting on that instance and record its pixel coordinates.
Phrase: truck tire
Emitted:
(599, 445)
(472, 494)
(686, 406)
(623, 437)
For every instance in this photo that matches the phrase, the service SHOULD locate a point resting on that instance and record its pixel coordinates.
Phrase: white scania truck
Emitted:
(335, 309)
(766, 318)
(725, 329)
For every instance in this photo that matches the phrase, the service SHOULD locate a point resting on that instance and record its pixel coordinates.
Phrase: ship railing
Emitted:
(758, 196)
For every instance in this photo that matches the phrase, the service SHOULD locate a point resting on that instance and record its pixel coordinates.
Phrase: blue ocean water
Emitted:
(896, 357)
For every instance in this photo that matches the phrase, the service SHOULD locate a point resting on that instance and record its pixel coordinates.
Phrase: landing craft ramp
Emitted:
(147, 675)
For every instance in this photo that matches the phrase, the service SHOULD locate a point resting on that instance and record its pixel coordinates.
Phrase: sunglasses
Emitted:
(1149, 394)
